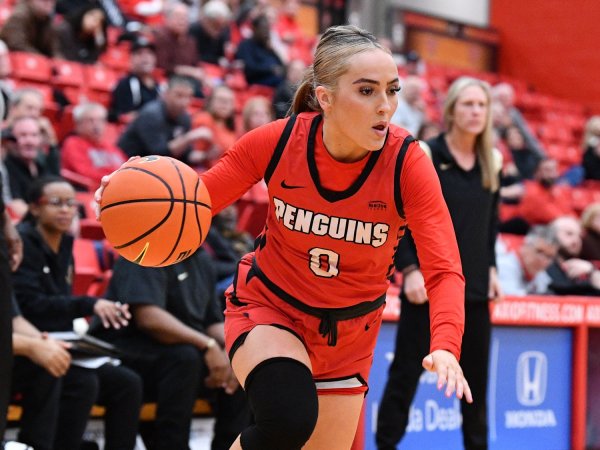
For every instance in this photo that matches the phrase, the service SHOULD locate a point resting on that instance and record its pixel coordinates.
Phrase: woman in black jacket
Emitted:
(468, 168)
(42, 286)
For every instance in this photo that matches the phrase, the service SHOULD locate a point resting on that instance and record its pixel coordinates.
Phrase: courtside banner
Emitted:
(529, 391)
(547, 311)
(435, 420)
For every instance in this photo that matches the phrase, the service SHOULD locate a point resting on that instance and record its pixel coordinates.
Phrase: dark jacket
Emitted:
(43, 283)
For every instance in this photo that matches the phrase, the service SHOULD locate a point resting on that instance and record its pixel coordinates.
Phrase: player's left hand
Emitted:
(449, 373)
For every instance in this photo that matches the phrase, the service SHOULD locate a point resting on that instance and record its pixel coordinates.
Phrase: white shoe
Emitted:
(12, 445)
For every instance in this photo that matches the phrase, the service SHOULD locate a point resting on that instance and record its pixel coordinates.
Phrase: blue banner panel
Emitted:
(529, 394)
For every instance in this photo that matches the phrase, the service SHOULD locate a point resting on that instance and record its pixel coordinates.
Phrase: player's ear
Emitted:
(324, 97)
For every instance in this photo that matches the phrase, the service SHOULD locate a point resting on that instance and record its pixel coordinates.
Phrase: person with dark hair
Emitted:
(304, 310)
(82, 34)
(177, 337)
(139, 86)
(468, 168)
(261, 64)
(163, 126)
(42, 285)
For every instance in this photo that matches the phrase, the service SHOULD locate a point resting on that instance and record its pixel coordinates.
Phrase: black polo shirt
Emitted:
(474, 215)
(186, 290)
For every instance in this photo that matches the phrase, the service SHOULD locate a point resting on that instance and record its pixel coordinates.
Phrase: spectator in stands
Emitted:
(40, 363)
(86, 152)
(162, 126)
(42, 285)
(568, 274)
(29, 102)
(30, 29)
(525, 160)
(591, 146)
(410, 113)
(257, 111)
(178, 328)
(590, 221)
(22, 163)
(211, 32)
(282, 99)
(287, 28)
(413, 64)
(505, 95)
(111, 9)
(137, 88)
(219, 118)
(261, 64)
(82, 34)
(6, 87)
(518, 268)
(544, 199)
(176, 51)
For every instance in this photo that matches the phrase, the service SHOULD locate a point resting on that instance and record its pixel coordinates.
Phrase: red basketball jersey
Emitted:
(330, 248)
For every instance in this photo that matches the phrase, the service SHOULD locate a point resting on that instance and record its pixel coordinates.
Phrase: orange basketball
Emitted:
(155, 211)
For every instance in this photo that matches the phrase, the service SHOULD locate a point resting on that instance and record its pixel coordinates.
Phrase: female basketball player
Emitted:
(305, 308)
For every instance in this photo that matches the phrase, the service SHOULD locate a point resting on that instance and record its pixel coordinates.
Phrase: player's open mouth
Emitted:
(380, 128)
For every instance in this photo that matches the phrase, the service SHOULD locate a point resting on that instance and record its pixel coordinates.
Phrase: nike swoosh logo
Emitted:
(288, 186)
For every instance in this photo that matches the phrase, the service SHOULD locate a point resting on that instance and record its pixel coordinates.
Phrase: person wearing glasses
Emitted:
(43, 290)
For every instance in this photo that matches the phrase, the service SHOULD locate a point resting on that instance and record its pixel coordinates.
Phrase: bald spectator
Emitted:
(176, 51)
(211, 32)
(86, 152)
(505, 95)
(30, 29)
(140, 86)
(518, 268)
(410, 113)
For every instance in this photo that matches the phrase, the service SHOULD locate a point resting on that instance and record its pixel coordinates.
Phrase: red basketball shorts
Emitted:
(340, 369)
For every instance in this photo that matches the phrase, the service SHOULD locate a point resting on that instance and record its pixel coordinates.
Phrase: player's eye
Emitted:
(366, 90)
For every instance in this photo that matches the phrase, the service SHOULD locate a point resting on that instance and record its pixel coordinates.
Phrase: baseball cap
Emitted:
(142, 42)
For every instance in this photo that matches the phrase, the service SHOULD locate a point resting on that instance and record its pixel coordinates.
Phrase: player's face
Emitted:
(56, 209)
(358, 117)
(470, 110)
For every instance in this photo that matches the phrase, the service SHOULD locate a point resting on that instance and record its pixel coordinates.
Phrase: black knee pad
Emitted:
(283, 398)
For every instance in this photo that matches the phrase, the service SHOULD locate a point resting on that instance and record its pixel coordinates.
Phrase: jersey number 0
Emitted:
(323, 262)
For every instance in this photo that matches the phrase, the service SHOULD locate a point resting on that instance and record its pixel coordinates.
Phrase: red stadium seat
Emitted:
(87, 266)
(100, 81)
(117, 58)
(31, 67)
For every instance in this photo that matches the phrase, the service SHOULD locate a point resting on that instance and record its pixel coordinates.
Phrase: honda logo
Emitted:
(532, 378)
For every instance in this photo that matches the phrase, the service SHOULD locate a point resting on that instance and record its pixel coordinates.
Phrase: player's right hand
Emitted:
(103, 183)
(414, 287)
